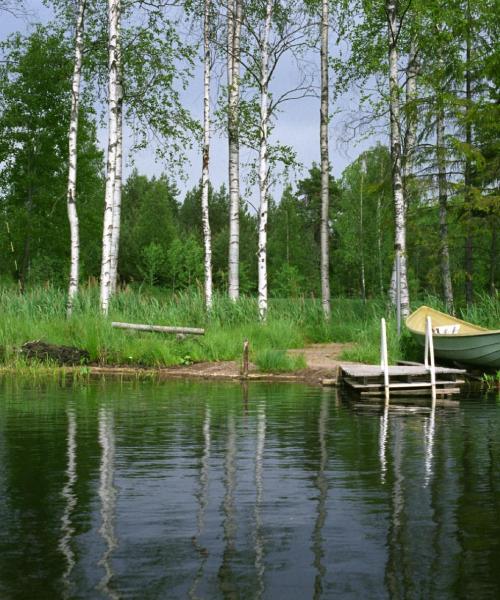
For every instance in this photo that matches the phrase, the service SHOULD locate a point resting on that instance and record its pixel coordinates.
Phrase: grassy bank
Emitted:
(292, 323)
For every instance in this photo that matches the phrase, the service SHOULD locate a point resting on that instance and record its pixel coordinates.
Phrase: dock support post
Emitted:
(384, 360)
(429, 357)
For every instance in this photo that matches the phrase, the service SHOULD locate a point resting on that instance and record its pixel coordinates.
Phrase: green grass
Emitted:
(271, 360)
(291, 323)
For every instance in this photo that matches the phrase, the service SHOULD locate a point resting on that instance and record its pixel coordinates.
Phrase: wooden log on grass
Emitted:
(159, 328)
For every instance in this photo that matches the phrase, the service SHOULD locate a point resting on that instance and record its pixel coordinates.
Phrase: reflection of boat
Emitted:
(455, 339)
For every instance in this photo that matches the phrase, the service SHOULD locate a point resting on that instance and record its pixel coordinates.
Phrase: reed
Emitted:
(292, 323)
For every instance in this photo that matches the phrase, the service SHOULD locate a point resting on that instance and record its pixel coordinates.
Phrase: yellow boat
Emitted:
(457, 340)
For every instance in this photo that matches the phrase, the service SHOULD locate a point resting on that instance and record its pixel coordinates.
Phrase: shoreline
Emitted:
(229, 371)
(322, 364)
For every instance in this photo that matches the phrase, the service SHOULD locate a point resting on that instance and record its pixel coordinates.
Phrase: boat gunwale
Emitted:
(481, 331)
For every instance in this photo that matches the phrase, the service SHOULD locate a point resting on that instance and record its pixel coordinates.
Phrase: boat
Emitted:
(457, 340)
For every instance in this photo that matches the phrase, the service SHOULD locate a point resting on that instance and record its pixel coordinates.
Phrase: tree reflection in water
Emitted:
(429, 427)
(107, 495)
(321, 483)
(69, 496)
(202, 497)
(225, 575)
(259, 489)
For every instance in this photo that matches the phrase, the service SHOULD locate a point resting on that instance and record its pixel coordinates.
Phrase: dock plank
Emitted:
(395, 371)
(414, 384)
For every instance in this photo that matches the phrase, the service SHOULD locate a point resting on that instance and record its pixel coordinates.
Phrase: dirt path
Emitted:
(322, 362)
(321, 356)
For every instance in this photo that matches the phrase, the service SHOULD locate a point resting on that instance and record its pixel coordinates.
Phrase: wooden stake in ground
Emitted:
(245, 359)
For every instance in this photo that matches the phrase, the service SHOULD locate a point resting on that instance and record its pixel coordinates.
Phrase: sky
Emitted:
(297, 125)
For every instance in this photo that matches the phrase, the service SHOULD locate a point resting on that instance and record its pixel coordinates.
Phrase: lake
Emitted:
(211, 490)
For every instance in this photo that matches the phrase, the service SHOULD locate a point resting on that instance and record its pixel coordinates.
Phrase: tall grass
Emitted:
(292, 323)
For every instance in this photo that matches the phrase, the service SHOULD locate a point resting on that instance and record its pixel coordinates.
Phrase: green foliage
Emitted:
(34, 122)
(292, 323)
(185, 260)
(364, 225)
(154, 258)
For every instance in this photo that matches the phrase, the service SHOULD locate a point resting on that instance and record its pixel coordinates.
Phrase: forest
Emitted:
(424, 77)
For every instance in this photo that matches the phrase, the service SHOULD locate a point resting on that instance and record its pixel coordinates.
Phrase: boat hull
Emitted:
(481, 350)
(457, 340)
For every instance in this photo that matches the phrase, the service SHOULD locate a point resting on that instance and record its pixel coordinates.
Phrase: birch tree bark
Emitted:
(264, 161)
(410, 141)
(325, 176)
(469, 251)
(362, 232)
(395, 139)
(73, 135)
(443, 201)
(114, 9)
(493, 256)
(117, 188)
(205, 156)
(234, 16)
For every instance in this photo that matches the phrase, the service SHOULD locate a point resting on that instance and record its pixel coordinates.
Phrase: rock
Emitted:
(62, 355)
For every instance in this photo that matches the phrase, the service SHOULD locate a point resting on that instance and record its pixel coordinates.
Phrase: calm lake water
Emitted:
(181, 490)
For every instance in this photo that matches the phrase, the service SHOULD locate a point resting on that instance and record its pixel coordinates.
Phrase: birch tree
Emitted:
(393, 31)
(73, 134)
(443, 210)
(325, 167)
(409, 140)
(234, 16)
(271, 30)
(117, 189)
(114, 13)
(206, 154)
(263, 161)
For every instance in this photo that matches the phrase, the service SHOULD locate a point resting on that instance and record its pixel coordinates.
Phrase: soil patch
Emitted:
(322, 362)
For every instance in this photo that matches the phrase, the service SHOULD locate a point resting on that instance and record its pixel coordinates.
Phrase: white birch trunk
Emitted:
(395, 137)
(205, 159)
(263, 163)
(443, 209)
(73, 135)
(362, 233)
(410, 141)
(117, 191)
(324, 225)
(107, 234)
(411, 118)
(234, 15)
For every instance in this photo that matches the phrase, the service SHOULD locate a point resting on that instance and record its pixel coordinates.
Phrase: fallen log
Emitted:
(159, 328)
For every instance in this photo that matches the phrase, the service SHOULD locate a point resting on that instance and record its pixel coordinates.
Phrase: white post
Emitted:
(384, 361)
(430, 349)
(426, 348)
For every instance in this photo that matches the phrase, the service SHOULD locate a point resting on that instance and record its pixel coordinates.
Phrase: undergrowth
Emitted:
(39, 314)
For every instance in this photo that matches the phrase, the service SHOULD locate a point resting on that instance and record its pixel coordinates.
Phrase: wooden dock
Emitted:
(403, 381)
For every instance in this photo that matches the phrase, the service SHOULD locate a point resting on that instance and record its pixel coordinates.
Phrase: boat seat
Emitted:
(446, 329)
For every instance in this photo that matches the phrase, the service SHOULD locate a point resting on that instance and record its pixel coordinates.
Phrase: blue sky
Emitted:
(297, 124)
